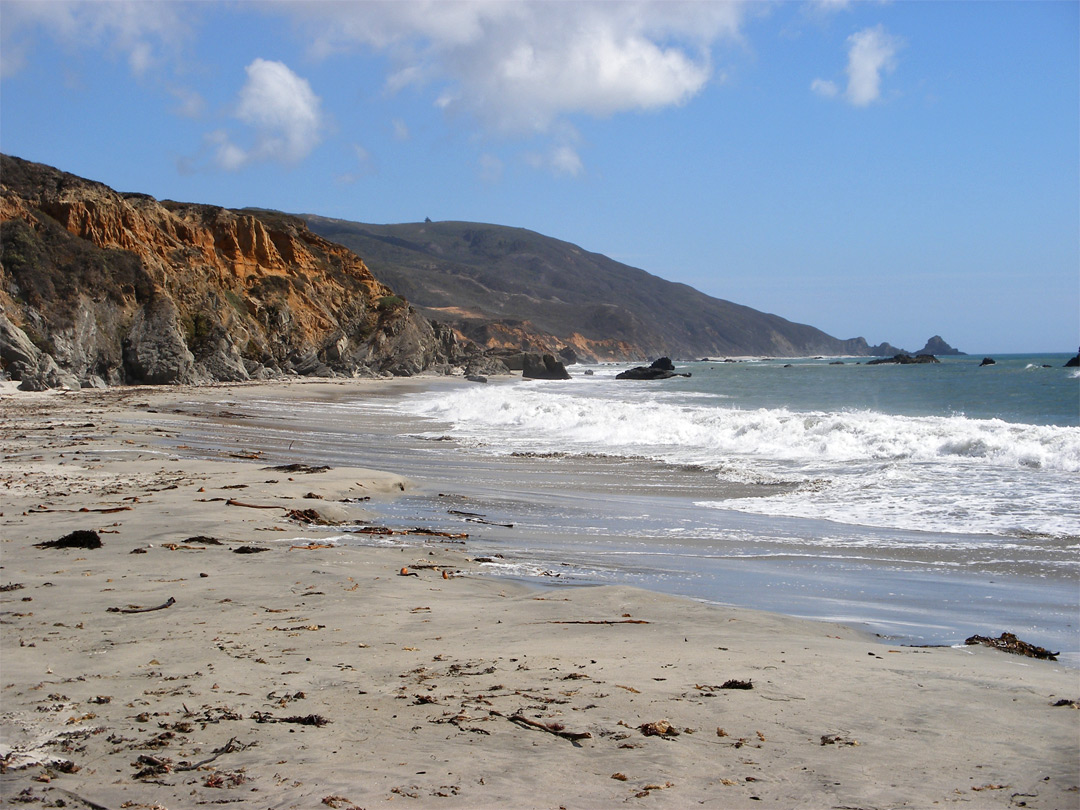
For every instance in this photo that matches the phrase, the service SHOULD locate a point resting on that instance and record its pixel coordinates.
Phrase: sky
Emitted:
(889, 170)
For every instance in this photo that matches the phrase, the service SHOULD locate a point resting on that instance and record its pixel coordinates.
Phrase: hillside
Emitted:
(510, 287)
(101, 287)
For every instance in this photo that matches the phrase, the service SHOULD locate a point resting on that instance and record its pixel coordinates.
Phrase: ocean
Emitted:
(924, 503)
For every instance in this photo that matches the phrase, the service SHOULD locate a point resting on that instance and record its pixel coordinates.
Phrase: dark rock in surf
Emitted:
(543, 368)
(1073, 362)
(988, 361)
(661, 369)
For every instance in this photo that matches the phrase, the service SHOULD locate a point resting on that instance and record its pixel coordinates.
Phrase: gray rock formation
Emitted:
(154, 350)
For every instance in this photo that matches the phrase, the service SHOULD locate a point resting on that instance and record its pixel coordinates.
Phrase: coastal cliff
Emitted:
(102, 287)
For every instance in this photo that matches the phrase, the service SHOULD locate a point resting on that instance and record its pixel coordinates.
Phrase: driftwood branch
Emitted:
(551, 728)
(233, 502)
(228, 748)
(162, 606)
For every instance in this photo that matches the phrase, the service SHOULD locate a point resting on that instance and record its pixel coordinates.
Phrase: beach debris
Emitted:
(339, 803)
(249, 549)
(558, 729)
(234, 502)
(600, 621)
(311, 547)
(105, 509)
(1072, 704)
(734, 683)
(11, 586)
(151, 766)
(1009, 643)
(311, 517)
(316, 720)
(991, 787)
(297, 468)
(81, 538)
(622, 777)
(659, 728)
(405, 572)
(641, 794)
(203, 540)
(836, 739)
(136, 609)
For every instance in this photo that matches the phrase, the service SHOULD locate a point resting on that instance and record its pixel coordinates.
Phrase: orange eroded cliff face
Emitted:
(244, 291)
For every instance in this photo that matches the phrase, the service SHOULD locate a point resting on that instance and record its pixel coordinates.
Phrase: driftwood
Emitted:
(106, 509)
(228, 748)
(551, 728)
(232, 502)
(1011, 644)
(162, 606)
(602, 621)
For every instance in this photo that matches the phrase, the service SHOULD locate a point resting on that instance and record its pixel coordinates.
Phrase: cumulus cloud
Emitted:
(522, 68)
(871, 53)
(283, 113)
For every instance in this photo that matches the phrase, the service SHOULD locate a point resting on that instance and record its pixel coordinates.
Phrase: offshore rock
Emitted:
(988, 361)
(939, 348)
(661, 369)
(904, 360)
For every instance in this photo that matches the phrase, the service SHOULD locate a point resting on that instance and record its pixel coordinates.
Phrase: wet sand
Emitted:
(307, 676)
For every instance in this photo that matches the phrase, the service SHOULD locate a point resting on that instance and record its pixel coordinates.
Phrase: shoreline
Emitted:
(464, 691)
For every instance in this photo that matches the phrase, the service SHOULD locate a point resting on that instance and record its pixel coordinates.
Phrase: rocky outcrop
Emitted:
(661, 369)
(939, 348)
(1073, 362)
(123, 288)
(547, 367)
(988, 361)
(904, 360)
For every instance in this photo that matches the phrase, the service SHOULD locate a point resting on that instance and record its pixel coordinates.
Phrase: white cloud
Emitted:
(143, 33)
(521, 68)
(824, 87)
(283, 113)
(871, 53)
(401, 130)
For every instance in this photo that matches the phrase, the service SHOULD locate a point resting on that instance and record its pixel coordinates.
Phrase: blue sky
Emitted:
(886, 170)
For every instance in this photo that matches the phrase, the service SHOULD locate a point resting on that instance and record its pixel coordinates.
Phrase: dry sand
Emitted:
(322, 677)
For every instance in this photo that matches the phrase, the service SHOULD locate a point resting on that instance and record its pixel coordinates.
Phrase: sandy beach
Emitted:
(215, 649)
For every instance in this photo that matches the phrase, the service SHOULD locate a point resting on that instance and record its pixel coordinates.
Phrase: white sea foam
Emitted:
(940, 473)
